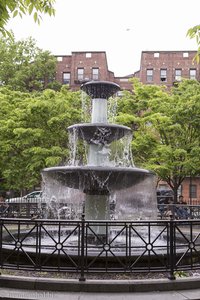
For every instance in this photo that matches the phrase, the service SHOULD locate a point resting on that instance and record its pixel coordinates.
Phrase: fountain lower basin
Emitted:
(97, 180)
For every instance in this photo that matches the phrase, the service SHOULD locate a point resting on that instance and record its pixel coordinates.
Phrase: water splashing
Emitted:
(101, 167)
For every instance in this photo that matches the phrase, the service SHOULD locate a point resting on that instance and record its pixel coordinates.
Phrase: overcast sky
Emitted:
(122, 28)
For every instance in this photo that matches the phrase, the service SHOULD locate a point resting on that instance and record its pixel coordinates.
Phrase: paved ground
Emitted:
(31, 288)
(7, 294)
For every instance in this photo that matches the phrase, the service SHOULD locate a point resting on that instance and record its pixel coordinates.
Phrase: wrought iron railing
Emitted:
(86, 247)
(26, 208)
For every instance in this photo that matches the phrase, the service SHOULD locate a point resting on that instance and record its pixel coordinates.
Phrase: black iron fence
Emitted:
(86, 247)
(21, 208)
(33, 207)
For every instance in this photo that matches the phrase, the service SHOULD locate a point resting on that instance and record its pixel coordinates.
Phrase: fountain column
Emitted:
(99, 110)
(97, 205)
(97, 152)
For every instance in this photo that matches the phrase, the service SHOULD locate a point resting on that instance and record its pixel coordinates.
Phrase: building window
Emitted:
(149, 75)
(193, 191)
(156, 54)
(163, 186)
(66, 78)
(180, 190)
(178, 73)
(59, 58)
(95, 73)
(163, 75)
(185, 54)
(80, 73)
(88, 55)
(193, 73)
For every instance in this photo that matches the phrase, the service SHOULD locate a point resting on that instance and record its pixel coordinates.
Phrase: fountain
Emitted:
(135, 242)
(104, 179)
(107, 185)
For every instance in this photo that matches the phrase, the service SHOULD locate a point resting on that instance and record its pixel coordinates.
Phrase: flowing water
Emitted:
(100, 178)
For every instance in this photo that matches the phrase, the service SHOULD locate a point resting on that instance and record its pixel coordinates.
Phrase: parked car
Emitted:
(163, 196)
(35, 196)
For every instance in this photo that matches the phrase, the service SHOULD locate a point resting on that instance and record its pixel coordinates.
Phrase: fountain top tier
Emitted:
(100, 89)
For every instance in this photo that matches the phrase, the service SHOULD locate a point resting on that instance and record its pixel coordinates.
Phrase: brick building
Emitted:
(80, 67)
(168, 67)
(156, 67)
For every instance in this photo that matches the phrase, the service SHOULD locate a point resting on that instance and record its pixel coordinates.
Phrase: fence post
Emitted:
(171, 248)
(1, 242)
(82, 278)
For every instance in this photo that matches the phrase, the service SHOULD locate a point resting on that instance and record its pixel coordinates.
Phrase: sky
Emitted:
(121, 28)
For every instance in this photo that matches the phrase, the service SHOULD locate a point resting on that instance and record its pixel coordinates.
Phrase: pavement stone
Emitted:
(30, 288)
(8, 294)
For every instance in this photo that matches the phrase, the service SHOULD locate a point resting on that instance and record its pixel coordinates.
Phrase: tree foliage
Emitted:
(33, 133)
(167, 129)
(12, 8)
(24, 66)
(194, 32)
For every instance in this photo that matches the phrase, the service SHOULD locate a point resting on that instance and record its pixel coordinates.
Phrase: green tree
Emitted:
(12, 8)
(194, 32)
(24, 66)
(33, 133)
(167, 136)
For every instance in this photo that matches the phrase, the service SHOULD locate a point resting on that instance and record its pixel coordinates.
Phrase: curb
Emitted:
(100, 286)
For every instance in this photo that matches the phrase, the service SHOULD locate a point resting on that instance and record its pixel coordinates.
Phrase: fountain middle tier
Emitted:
(95, 180)
(99, 133)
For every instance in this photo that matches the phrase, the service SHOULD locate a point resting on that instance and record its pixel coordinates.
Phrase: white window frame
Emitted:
(149, 75)
(95, 73)
(156, 54)
(178, 74)
(193, 73)
(66, 77)
(163, 75)
(80, 74)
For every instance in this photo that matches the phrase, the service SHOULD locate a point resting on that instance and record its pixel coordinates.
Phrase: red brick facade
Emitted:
(156, 67)
(168, 67)
(190, 189)
(81, 67)
(192, 195)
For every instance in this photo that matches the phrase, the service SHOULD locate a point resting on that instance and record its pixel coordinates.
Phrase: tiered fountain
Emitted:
(104, 178)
